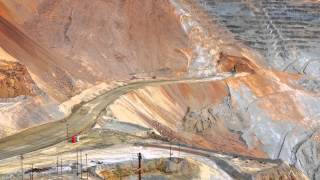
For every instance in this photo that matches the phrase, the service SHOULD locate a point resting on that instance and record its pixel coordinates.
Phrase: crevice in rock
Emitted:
(229, 101)
(240, 133)
(67, 27)
(306, 64)
(185, 115)
(315, 171)
(296, 148)
(282, 144)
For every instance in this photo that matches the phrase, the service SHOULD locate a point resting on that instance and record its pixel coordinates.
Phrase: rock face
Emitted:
(15, 80)
(286, 32)
(100, 40)
(237, 116)
(199, 121)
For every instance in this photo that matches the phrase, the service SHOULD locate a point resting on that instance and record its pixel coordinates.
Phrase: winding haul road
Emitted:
(83, 117)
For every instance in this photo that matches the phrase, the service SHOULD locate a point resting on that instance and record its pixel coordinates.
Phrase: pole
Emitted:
(61, 167)
(67, 130)
(32, 171)
(179, 149)
(21, 160)
(81, 164)
(170, 152)
(77, 164)
(87, 166)
(57, 166)
(139, 170)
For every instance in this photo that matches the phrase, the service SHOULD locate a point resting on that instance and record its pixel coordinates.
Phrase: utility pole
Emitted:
(87, 166)
(81, 164)
(31, 172)
(61, 168)
(179, 149)
(57, 168)
(139, 170)
(67, 131)
(170, 151)
(21, 161)
(77, 164)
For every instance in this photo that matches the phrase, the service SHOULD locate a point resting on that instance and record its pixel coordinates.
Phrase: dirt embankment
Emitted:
(154, 168)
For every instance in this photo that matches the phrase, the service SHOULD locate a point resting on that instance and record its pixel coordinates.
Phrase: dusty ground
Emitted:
(111, 153)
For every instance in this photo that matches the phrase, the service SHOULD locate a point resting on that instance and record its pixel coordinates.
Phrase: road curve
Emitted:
(221, 159)
(83, 116)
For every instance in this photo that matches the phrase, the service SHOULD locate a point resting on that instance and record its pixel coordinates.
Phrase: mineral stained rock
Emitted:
(271, 112)
(15, 80)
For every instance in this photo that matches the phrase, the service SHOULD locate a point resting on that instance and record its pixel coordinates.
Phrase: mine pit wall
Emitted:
(209, 40)
(243, 115)
(166, 110)
(40, 63)
(100, 41)
(69, 46)
(167, 45)
(285, 32)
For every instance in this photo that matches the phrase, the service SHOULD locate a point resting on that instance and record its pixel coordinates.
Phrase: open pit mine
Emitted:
(160, 89)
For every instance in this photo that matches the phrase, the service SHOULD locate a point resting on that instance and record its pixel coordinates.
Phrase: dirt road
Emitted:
(83, 116)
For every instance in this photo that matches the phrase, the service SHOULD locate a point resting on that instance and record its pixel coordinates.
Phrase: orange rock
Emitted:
(15, 80)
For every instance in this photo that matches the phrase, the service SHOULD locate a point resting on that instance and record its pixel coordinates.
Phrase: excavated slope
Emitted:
(261, 115)
(101, 40)
(286, 32)
(69, 46)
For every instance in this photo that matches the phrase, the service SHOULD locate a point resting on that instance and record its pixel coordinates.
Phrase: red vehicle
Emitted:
(75, 138)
